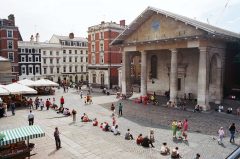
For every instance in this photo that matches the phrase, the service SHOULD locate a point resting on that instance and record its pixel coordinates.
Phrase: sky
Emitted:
(60, 17)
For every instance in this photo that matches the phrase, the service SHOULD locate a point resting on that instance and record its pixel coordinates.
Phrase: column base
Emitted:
(205, 107)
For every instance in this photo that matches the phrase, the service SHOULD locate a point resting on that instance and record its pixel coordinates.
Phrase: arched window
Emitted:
(102, 79)
(153, 73)
(93, 78)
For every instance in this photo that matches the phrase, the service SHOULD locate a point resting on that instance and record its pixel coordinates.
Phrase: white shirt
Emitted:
(30, 115)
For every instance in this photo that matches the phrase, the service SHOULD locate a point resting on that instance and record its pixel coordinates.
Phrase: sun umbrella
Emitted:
(3, 90)
(45, 82)
(26, 82)
(16, 88)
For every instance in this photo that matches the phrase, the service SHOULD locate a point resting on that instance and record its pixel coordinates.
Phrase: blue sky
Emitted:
(61, 17)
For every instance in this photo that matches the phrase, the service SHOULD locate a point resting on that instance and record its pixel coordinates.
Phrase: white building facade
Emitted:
(74, 57)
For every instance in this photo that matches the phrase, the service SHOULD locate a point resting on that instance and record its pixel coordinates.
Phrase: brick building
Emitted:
(103, 60)
(9, 37)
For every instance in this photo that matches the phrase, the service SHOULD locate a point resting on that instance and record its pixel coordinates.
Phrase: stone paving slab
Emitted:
(82, 140)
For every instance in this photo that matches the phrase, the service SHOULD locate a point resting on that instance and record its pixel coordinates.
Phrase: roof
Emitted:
(3, 59)
(67, 38)
(21, 134)
(149, 11)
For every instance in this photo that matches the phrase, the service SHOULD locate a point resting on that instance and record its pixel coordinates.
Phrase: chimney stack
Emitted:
(71, 35)
(37, 37)
(122, 23)
(31, 38)
(12, 18)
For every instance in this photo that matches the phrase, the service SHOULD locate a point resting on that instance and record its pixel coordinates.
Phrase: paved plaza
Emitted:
(82, 140)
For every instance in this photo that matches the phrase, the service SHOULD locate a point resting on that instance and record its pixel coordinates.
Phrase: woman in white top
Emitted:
(221, 135)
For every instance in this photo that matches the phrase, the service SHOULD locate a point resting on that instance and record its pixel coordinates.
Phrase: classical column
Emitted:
(143, 73)
(126, 72)
(202, 96)
(173, 76)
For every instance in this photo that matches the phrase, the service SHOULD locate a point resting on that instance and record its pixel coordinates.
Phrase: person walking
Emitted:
(12, 106)
(41, 104)
(74, 112)
(30, 103)
(62, 101)
(36, 102)
(48, 104)
(174, 128)
(232, 130)
(31, 118)
(57, 138)
(120, 107)
(185, 129)
(81, 94)
(221, 135)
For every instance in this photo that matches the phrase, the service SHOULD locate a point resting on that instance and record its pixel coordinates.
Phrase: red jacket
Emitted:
(62, 100)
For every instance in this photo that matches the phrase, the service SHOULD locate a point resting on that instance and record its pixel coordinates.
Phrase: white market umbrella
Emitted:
(45, 82)
(16, 88)
(3, 90)
(27, 82)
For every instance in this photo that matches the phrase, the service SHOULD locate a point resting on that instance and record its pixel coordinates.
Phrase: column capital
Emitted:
(143, 51)
(203, 49)
(173, 50)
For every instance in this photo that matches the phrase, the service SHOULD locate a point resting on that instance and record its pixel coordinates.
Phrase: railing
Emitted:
(235, 154)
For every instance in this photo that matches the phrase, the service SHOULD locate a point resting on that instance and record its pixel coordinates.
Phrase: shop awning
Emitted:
(21, 134)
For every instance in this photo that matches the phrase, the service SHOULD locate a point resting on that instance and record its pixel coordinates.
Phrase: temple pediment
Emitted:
(158, 27)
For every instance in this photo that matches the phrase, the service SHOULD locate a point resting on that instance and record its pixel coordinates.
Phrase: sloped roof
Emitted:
(67, 38)
(149, 11)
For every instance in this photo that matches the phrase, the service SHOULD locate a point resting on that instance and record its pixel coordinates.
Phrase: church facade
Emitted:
(178, 54)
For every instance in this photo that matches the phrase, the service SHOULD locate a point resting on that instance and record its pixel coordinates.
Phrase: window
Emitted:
(30, 59)
(10, 33)
(70, 51)
(81, 59)
(22, 51)
(75, 51)
(93, 37)
(57, 69)
(64, 69)
(93, 48)
(94, 78)
(70, 68)
(101, 35)
(44, 61)
(45, 70)
(36, 70)
(64, 59)
(75, 59)
(36, 58)
(44, 52)
(57, 61)
(23, 59)
(93, 60)
(11, 56)
(63, 42)
(23, 70)
(13, 70)
(70, 59)
(33, 50)
(57, 53)
(51, 70)
(51, 61)
(76, 69)
(86, 59)
(102, 59)
(81, 68)
(26, 50)
(50, 52)
(101, 47)
(179, 84)
(81, 52)
(153, 73)
(64, 51)
(86, 52)
(10, 44)
(39, 51)
(30, 69)
(30, 51)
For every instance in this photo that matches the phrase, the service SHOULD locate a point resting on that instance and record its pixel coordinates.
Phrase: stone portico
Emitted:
(178, 54)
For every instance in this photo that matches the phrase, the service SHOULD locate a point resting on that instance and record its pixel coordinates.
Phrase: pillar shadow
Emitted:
(52, 153)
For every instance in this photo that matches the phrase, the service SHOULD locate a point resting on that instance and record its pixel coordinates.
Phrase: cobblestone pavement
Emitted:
(82, 140)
